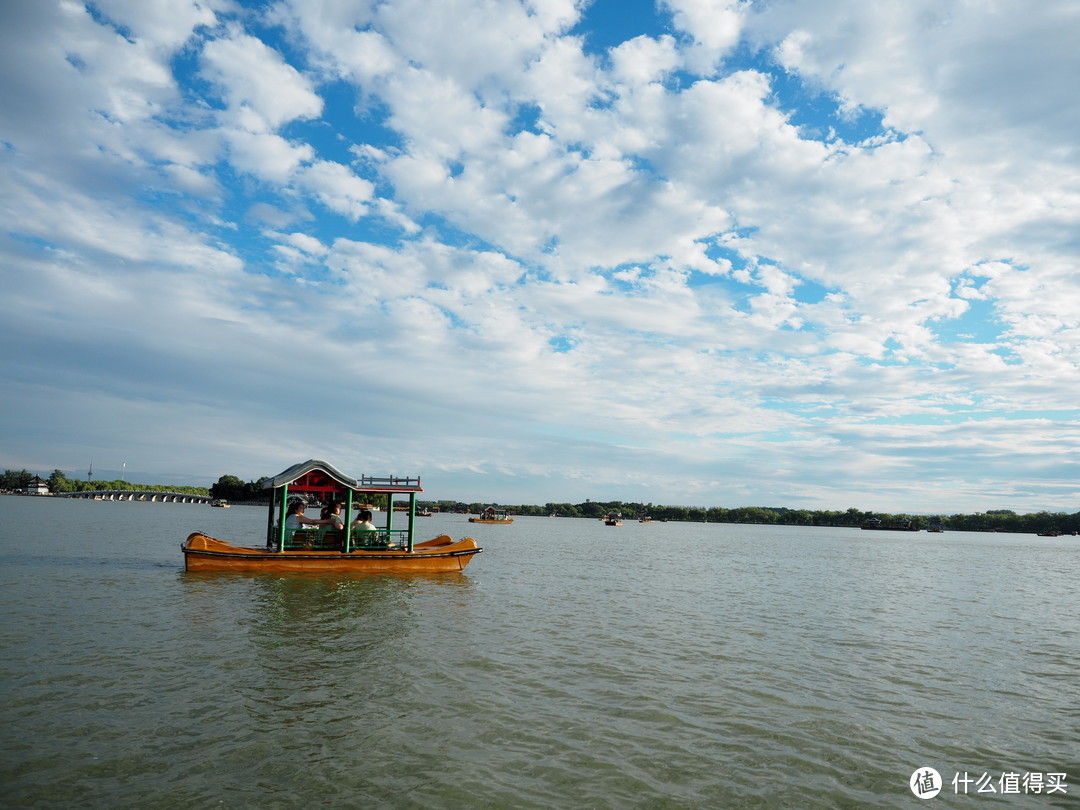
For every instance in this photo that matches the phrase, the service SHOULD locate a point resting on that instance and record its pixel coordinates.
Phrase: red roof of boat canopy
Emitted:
(316, 475)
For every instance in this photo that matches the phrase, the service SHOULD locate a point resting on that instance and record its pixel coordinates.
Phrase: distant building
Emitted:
(37, 486)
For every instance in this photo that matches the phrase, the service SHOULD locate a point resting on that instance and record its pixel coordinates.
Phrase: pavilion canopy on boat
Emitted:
(328, 484)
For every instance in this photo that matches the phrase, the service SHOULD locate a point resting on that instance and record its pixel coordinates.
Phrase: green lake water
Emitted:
(571, 665)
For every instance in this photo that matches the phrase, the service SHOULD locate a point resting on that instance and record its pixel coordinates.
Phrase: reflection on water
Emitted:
(314, 641)
(291, 603)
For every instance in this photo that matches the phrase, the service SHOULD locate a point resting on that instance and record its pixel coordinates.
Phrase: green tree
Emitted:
(15, 481)
(58, 482)
(228, 487)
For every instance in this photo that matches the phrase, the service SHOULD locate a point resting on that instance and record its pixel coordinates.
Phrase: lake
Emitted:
(571, 665)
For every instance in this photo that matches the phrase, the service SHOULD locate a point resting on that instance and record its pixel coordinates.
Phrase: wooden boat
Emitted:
(221, 503)
(205, 553)
(387, 549)
(612, 519)
(492, 515)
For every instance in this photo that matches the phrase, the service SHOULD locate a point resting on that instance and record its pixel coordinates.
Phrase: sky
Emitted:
(816, 254)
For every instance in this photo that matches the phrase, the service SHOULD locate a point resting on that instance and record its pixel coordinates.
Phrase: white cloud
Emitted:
(262, 91)
(714, 27)
(338, 188)
(266, 155)
(564, 83)
(165, 24)
(555, 15)
(438, 116)
(644, 59)
(454, 33)
(308, 244)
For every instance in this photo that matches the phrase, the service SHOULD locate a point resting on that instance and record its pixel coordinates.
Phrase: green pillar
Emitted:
(390, 516)
(348, 521)
(412, 519)
(281, 517)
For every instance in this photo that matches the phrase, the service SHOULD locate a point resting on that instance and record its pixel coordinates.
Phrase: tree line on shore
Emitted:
(993, 520)
(234, 489)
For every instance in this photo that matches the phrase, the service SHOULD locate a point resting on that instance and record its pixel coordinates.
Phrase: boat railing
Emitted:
(380, 538)
(392, 482)
(314, 540)
(334, 539)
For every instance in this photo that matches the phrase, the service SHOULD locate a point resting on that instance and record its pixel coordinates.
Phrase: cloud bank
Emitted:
(809, 254)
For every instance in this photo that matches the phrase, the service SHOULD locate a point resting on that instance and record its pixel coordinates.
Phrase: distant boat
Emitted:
(1050, 533)
(220, 503)
(492, 515)
(892, 525)
(612, 519)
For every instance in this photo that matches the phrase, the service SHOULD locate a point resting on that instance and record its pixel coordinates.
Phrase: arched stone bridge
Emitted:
(136, 495)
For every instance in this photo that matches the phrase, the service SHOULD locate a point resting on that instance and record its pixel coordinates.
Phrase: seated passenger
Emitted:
(332, 515)
(363, 522)
(296, 519)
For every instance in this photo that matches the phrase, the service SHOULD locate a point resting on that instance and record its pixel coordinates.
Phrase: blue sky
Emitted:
(812, 254)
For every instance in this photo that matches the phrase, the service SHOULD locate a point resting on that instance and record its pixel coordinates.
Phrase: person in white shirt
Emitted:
(296, 519)
(363, 522)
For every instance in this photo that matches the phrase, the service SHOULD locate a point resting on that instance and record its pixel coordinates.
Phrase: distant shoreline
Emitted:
(995, 521)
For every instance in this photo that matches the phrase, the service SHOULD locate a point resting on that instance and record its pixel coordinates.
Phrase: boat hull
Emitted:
(205, 553)
(481, 520)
